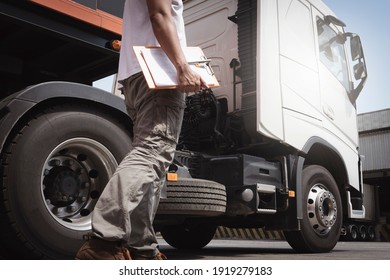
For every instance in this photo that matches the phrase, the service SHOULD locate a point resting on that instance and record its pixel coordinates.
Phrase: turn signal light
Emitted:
(172, 177)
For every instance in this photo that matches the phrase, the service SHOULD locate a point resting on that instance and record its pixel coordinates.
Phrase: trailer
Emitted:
(276, 146)
(61, 139)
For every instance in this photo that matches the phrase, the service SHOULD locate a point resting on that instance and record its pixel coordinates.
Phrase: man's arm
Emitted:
(165, 31)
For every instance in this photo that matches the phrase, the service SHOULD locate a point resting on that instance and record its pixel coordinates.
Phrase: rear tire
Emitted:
(54, 170)
(371, 233)
(363, 234)
(353, 233)
(322, 213)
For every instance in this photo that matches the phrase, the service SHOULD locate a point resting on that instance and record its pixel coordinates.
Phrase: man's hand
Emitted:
(189, 81)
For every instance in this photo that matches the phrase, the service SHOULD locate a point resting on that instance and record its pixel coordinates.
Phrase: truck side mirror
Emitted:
(359, 71)
(359, 65)
(356, 48)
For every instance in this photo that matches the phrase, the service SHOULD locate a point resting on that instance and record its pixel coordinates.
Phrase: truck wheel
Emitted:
(53, 172)
(322, 213)
(196, 197)
(371, 233)
(188, 238)
(353, 233)
(363, 233)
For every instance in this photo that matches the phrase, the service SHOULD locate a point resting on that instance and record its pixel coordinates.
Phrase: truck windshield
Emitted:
(332, 53)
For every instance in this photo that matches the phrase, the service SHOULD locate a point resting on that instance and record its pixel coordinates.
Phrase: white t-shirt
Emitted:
(137, 31)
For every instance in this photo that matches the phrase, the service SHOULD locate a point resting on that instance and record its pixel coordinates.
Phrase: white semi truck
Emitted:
(281, 133)
(275, 146)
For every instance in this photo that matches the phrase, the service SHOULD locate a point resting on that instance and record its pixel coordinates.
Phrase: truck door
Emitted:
(334, 78)
(298, 72)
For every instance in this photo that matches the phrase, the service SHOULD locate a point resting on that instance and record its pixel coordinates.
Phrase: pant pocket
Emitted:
(168, 121)
(168, 111)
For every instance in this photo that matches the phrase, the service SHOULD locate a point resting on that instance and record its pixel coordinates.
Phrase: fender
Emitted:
(17, 105)
(298, 166)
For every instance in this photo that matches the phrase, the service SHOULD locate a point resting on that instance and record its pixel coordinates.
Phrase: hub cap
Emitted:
(73, 177)
(321, 209)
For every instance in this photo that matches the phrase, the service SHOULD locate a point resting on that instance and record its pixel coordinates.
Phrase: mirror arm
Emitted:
(354, 94)
(348, 35)
(332, 19)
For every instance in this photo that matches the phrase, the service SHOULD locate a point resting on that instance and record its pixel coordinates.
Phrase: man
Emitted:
(122, 222)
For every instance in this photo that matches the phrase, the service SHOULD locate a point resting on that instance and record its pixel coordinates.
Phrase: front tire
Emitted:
(54, 170)
(322, 213)
(188, 238)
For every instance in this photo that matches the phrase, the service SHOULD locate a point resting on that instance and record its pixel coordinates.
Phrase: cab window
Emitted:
(332, 52)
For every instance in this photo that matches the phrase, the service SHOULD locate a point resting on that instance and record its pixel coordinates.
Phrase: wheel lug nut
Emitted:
(54, 162)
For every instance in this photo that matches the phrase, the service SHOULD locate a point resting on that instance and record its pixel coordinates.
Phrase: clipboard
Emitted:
(160, 73)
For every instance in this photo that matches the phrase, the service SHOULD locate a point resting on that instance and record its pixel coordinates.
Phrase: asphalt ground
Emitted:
(231, 249)
(220, 249)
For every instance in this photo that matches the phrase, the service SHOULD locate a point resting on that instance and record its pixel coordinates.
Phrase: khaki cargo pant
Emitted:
(127, 206)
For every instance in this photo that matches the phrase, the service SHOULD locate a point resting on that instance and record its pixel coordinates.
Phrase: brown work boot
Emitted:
(159, 256)
(98, 249)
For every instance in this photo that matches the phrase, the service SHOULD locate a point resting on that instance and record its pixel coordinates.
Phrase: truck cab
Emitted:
(285, 140)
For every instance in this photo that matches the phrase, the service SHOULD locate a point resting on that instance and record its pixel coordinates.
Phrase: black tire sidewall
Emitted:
(42, 135)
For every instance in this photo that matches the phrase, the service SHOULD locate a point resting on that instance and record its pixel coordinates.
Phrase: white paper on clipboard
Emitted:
(163, 73)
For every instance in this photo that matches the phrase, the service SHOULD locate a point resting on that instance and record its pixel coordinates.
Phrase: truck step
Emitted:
(266, 199)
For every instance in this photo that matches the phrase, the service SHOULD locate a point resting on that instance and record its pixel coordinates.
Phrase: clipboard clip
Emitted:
(199, 62)
(203, 62)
